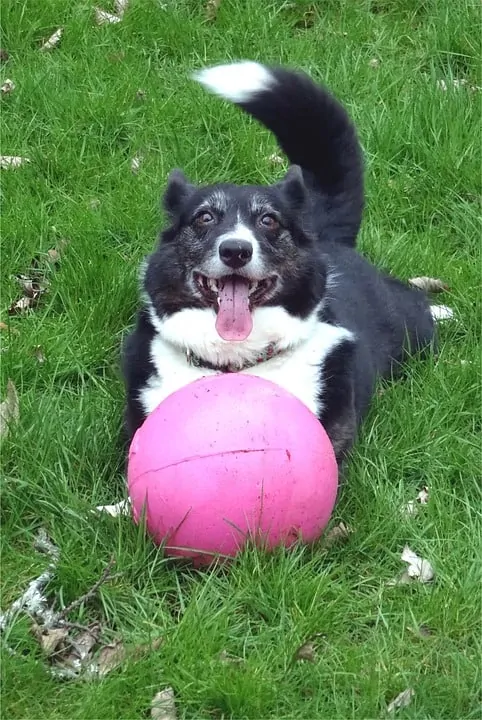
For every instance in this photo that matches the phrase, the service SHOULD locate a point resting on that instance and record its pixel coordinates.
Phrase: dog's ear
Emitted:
(293, 187)
(177, 191)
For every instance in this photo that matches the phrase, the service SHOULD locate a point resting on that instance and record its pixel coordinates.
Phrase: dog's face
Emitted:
(235, 249)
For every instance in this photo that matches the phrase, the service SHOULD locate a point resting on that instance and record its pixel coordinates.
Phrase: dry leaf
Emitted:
(85, 642)
(428, 284)
(113, 655)
(418, 568)
(163, 705)
(421, 631)
(135, 164)
(13, 330)
(228, 659)
(307, 19)
(32, 286)
(9, 410)
(53, 40)
(337, 534)
(441, 312)
(21, 306)
(458, 83)
(276, 159)
(110, 657)
(411, 508)
(120, 6)
(50, 638)
(211, 9)
(121, 508)
(374, 63)
(39, 354)
(12, 161)
(306, 652)
(105, 18)
(402, 700)
(7, 87)
(423, 495)
(140, 94)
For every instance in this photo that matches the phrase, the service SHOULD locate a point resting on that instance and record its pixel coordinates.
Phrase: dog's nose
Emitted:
(235, 253)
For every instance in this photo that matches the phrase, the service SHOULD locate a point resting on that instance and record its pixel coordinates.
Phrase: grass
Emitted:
(77, 114)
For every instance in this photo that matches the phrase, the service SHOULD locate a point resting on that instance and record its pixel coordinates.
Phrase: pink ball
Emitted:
(229, 458)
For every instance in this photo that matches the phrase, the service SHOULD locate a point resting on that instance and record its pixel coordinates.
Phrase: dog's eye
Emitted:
(204, 217)
(269, 222)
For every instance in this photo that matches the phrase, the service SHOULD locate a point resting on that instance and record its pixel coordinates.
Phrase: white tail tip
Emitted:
(238, 82)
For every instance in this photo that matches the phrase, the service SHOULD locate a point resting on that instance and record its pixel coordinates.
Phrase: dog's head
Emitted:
(236, 248)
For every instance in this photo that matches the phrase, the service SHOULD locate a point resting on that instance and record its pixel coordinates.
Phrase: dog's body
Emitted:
(266, 280)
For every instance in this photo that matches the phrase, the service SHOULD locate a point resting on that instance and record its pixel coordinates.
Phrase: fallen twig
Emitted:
(106, 575)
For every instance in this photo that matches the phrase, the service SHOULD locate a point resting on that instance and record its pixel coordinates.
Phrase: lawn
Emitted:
(410, 76)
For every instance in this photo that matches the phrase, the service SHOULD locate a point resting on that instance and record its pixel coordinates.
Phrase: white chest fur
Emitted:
(303, 346)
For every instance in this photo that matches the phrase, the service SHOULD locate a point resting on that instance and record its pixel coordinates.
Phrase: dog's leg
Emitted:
(338, 415)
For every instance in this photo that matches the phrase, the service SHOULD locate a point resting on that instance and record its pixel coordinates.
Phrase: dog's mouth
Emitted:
(234, 297)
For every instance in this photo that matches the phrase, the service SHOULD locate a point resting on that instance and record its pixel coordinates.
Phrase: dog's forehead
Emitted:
(233, 199)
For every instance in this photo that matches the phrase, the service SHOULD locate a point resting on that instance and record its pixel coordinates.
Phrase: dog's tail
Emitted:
(312, 129)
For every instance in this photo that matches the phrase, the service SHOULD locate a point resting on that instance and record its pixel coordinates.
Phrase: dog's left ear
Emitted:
(177, 191)
(293, 187)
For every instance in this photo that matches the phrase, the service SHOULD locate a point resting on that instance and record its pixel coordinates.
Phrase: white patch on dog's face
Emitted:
(238, 82)
(254, 269)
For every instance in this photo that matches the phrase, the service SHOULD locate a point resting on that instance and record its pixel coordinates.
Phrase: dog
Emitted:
(267, 280)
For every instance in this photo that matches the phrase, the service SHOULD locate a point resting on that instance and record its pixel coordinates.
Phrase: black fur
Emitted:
(311, 253)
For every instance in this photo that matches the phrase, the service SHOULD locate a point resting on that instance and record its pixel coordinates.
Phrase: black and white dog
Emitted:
(266, 280)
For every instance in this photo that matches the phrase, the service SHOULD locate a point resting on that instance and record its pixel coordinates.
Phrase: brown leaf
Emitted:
(113, 655)
(418, 568)
(32, 285)
(411, 508)
(421, 631)
(8, 328)
(428, 284)
(105, 18)
(136, 164)
(163, 705)
(337, 534)
(50, 639)
(110, 657)
(307, 19)
(7, 87)
(9, 410)
(120, 6)
(12, 161)
(306, 652)
(21, 306)
(229, 659)
(85, 642)
(53, 40)
(54, 255)
(276, 159)
(402, 700)
(39, 354)
(212, 8)
(441, 312)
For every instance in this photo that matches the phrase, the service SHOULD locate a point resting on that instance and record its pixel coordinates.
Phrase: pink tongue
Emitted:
(234, 321)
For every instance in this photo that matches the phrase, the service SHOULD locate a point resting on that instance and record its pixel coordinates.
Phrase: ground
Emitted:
(409, 74)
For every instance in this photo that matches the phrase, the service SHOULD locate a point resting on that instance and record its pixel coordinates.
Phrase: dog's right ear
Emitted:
(178, 190)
